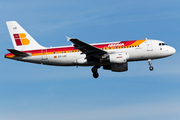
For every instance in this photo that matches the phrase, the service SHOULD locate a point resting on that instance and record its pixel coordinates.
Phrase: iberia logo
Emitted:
(21, 39)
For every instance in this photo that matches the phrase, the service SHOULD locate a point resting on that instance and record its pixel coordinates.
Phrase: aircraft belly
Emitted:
(32, 59)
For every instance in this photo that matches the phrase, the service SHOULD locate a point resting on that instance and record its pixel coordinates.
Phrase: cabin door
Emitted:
(149, 46)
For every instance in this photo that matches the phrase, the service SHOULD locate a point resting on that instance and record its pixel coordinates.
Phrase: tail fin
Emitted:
(20, 38)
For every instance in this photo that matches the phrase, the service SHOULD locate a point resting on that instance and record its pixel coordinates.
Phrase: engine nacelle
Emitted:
(116, 67)
(118, 58)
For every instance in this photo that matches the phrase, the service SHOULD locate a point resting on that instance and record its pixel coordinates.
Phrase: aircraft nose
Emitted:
(172, 50)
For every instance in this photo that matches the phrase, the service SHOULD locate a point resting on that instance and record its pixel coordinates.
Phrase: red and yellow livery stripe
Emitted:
(59, 50)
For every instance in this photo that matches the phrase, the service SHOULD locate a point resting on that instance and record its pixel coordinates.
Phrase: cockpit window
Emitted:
(162, 44)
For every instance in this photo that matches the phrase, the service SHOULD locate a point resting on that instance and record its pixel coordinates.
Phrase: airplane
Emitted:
(112, 56)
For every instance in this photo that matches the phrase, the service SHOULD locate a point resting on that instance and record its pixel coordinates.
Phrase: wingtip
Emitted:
(68, 38)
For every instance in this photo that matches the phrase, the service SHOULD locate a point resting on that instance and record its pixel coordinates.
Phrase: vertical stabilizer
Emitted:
(20, 38)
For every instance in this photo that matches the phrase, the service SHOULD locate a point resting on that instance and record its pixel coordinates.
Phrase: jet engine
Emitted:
(118, 62)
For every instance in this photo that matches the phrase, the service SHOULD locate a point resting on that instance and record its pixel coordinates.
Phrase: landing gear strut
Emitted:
(94, 71)
(150, 67)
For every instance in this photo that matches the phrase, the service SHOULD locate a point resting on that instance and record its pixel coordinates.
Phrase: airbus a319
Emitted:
(112, 56)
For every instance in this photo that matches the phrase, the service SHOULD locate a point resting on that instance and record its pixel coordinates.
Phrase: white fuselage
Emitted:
(150, 49)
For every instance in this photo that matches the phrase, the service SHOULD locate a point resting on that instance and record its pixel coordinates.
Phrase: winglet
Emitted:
(68, 38)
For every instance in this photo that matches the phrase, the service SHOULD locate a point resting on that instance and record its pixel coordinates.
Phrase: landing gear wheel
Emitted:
(94, 69)
(95, 75)
(151, 68)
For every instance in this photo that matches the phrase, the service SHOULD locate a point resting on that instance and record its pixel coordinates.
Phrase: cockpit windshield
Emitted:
(162, 44)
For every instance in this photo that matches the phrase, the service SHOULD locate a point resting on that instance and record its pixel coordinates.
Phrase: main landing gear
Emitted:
(95, 71)
(150, 67)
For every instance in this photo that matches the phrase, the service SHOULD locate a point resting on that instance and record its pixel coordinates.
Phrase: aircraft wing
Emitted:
(87, 49)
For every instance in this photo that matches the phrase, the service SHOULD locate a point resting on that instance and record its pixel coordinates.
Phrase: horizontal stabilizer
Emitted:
(18, 53)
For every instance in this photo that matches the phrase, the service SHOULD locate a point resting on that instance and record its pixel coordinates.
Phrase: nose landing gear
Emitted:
(94, 71)
(151, 68)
